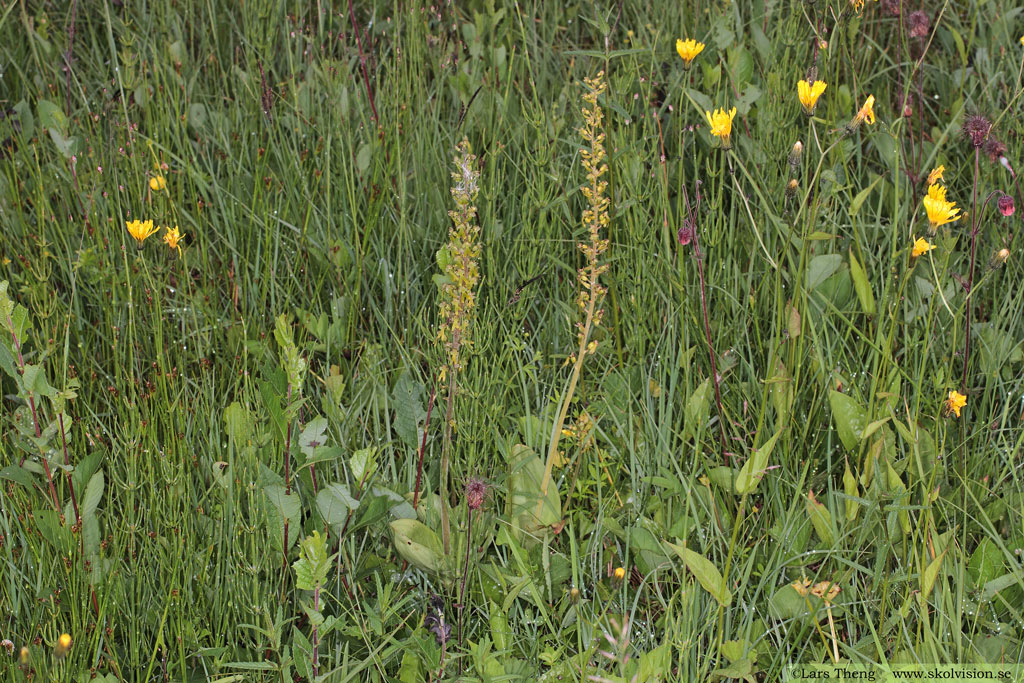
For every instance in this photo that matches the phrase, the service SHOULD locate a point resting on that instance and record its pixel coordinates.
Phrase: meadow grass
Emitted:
(225, 462)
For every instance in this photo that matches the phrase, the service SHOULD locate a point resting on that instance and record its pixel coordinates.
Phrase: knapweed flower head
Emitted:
(955, 402)
(721, 125)
(976, 129)
(157, 183)
(939, 210)
(936, 175)
(921, 247)
(688, 50)
(809, 94)
(172, 238)
(866, 113)
(140, 230)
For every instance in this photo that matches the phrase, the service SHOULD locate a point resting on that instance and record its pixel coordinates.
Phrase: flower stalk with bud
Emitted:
(595, 218)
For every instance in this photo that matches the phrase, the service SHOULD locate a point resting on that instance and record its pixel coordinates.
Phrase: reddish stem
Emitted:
(71, 485)
(970, 273)
(423, 447)
(362, 62)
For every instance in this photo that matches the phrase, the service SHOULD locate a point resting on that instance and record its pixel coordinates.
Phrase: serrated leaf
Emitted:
(313, 564)
(707, 574)
(754, 468)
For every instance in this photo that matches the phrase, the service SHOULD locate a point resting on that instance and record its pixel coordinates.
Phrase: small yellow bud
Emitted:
(62, 646)
(157, 183)
(620, 573)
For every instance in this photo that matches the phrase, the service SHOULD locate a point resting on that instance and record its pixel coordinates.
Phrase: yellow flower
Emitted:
(172, 237)
(721, 124)
(62, 646)
(688, 50)
(936, 175)
(921, 246)
(1022, 40)
(857, 4)
(140, 230)
(955, 402)
(620, 573)
(157, 183)
(939, 210)
(866, 113)
(809, 94)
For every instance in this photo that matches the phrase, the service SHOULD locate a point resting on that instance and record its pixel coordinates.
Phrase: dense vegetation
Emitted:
(491, 341)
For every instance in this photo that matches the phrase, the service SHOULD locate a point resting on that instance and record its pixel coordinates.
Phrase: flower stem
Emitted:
(970, 273)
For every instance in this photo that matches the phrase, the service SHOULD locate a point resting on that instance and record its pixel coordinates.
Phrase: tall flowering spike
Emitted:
(595, 216)
(688, 50)
(938, 209)
(458, 296)
(809, 94)
(721, 125)
(140, 230)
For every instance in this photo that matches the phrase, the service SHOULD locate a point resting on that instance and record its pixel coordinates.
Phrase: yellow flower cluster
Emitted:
(954, 403)
(595, 216)
(458, 298)
(141, 230)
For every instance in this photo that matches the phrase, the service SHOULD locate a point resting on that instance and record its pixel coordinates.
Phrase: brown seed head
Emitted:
(918, 24)
(994, 149)
(976, 128)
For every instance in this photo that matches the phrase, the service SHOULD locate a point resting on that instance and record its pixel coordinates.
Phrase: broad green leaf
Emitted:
(821, 519)
(525, 492)
(312, 436)
(697, 407)
(363, 463)
(239, 424)
(18, 474)
(897, 486)
(754, 468)
(930, 574)
(707, 574)
(986, 563)
(849, 416)
(822, 268)
(93, 494)
(286, 503)
(418, 544)
(851, 490)
(407, 398)
(35, 381)
(862, 285)
(335, 502)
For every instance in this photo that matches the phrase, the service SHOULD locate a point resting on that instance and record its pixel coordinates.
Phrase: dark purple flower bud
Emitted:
(476, 492)
(994, 149)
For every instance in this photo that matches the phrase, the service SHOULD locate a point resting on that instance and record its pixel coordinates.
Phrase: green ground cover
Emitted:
(620, 388)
